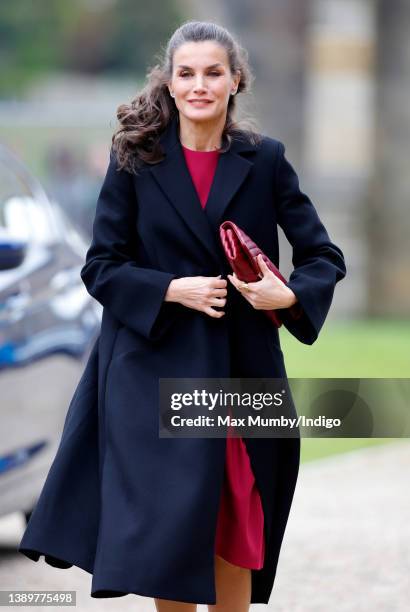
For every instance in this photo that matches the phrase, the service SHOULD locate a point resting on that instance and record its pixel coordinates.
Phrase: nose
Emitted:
(199, 86)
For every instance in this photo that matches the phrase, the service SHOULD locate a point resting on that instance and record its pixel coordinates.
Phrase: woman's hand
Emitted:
(267, 294)
(199, 292)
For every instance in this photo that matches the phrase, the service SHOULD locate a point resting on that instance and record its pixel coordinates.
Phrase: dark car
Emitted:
(48, 324)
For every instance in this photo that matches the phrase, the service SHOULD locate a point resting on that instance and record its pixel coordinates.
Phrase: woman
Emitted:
(151, 515)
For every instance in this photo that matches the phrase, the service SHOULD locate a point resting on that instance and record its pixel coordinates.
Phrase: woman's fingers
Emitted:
(210, 292)
(222, 292)
(239, 285)
(217, 301)
(219, 292)
(213, 313)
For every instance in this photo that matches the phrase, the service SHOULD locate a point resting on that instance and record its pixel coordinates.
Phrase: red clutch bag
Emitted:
(241, 253)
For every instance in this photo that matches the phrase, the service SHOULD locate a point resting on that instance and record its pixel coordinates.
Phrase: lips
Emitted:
(200, 101)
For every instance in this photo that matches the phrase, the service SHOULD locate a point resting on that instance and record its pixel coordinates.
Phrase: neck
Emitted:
(201, 135)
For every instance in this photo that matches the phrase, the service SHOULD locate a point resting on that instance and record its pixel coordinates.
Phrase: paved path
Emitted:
(346, 548)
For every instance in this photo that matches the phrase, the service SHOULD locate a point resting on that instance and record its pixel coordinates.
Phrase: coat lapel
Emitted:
(175, 181)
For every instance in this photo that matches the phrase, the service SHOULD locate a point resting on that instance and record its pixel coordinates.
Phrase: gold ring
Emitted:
(245, 286)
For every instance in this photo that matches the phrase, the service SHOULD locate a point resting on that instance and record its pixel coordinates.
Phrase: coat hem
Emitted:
(105, 593)
(54, 560)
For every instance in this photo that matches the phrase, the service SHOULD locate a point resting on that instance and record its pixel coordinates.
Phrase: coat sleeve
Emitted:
(318, 263)
(133, 294)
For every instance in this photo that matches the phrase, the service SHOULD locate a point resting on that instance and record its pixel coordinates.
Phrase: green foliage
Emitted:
(364, 348)
(119, 37)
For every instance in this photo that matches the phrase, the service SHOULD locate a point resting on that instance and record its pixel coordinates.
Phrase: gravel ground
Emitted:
(346, 547)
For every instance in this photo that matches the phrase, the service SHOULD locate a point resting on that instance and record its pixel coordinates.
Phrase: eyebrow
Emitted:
(211, 66)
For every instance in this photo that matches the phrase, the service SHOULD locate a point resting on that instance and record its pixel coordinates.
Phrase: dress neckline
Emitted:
(194, 151)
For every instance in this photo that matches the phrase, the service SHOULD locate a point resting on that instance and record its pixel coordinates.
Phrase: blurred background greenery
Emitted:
(349, 349)
(82, 36)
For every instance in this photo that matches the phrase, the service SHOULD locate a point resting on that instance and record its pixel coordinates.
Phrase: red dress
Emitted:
(240, 526)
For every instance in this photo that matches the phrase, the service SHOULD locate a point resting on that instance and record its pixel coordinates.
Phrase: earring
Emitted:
(172, 94)
(233, 93)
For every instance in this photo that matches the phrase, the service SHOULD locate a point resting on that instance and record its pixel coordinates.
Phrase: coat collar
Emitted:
(175, 181)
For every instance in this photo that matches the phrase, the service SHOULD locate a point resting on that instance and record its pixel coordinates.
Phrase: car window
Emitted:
(23, 215)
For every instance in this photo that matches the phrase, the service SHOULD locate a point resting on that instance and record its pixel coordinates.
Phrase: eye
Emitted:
(185, 73)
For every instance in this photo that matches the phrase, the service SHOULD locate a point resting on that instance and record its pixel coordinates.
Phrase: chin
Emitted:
(201, 115)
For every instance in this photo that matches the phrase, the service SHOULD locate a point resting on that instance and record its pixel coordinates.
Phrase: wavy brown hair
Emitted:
(141, 122)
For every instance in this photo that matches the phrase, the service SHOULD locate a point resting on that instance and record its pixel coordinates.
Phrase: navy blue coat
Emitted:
(137, 511)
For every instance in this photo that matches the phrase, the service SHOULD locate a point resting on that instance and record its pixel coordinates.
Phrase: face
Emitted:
(202, 81)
